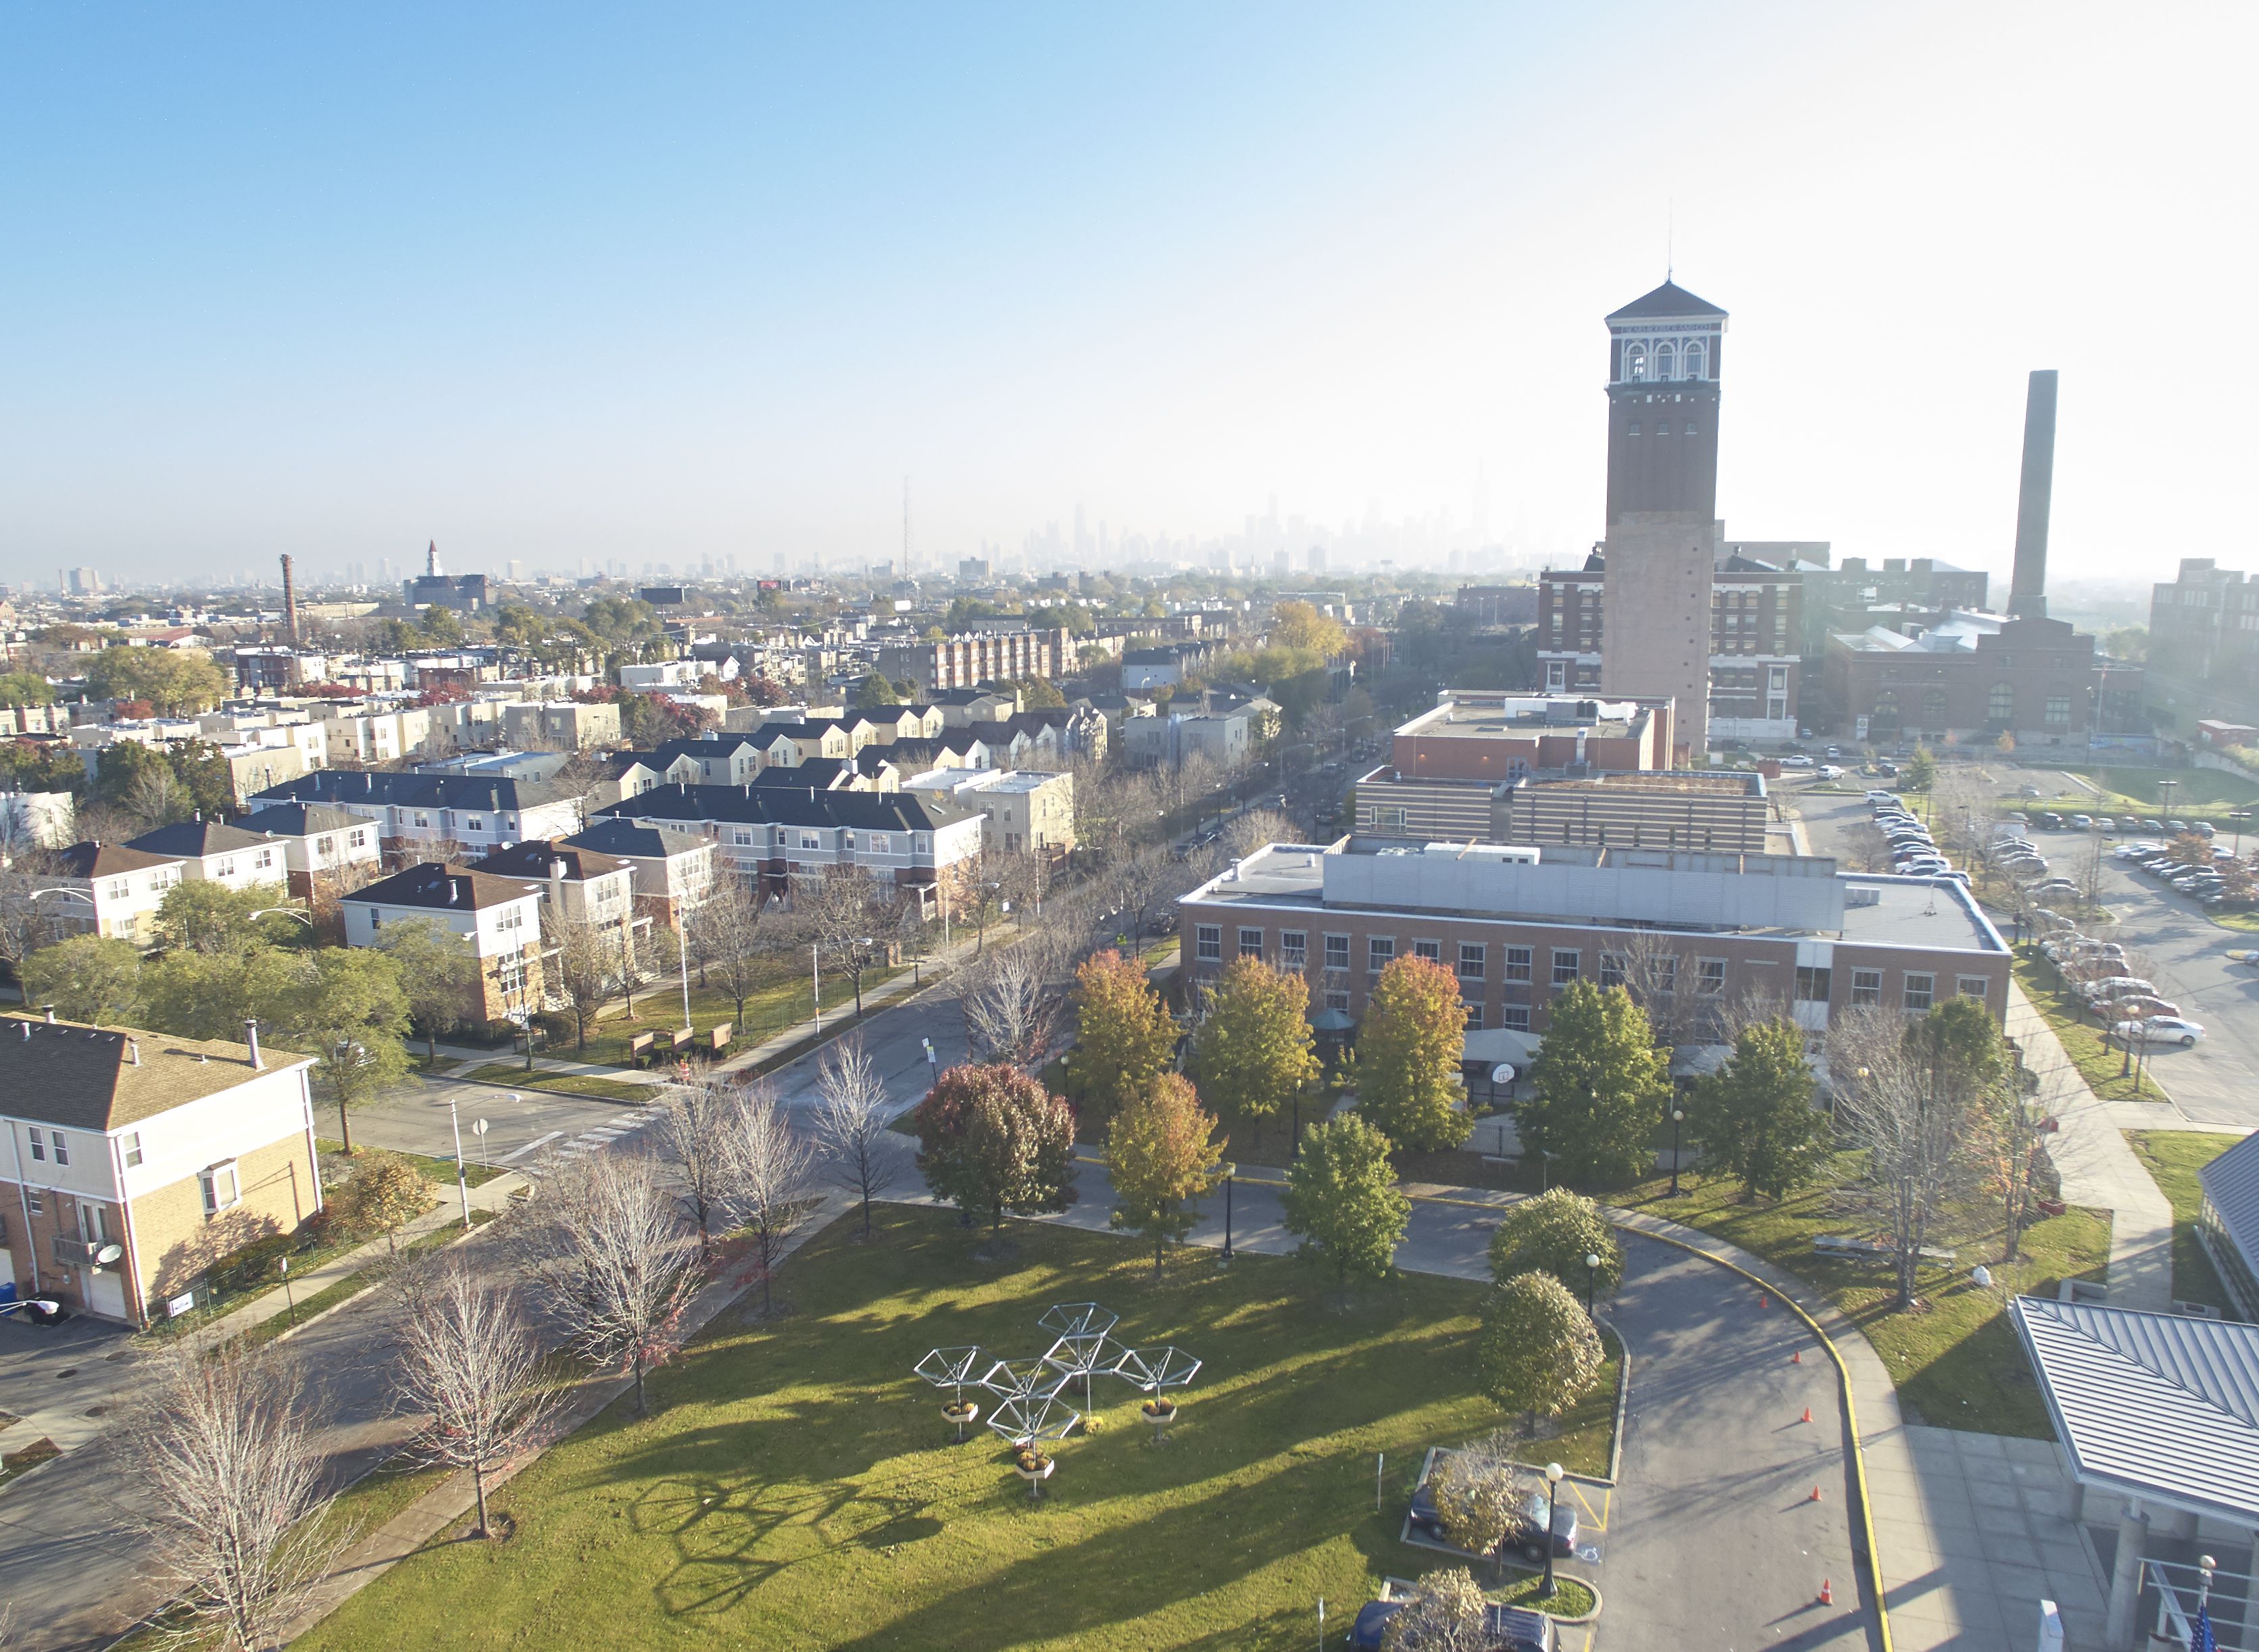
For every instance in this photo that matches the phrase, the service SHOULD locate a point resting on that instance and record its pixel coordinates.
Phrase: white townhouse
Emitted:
(212, 851)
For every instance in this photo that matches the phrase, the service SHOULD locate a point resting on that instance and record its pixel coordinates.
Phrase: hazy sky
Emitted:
(553, 282)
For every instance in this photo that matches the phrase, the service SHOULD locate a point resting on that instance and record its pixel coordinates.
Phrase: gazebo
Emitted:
(2160, 1409)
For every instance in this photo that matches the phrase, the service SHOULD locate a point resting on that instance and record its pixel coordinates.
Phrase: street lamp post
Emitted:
(462, 1178)
(1229, 1171)
(1553, 1472)
(1677, 1117)
(816, 976)
(289, 1299)
(1592, 1276)
(2236, 819)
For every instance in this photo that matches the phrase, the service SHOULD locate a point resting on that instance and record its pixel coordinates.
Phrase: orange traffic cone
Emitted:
(1814, 1498)
(1796, 1357)
(1763, 1300)
(1826, 1592)
(1807, 1414)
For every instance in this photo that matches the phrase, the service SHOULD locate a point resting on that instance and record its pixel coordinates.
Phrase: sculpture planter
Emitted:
(963, 1413)
(1160, 1413)
(1035, 1470)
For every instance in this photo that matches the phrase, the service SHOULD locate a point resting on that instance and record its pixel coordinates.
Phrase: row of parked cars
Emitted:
(2021, 860)
(1914, 851)
(2207, 885)
(2097, 970)
(2048, 820)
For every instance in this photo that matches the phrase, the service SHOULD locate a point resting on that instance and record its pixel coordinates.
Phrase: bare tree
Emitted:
(155, 796)
(698, 1123)
(1917, 1134)
(1649, 961)
(1252, 831)
(846, 917)
(1011, 1010)
(732, 937)
(583, 965)
(852, 1114)
(23, 923)
(610, 1241)
(1144, 886)
(770, 1179)
(228, 1487)
(470, 1368)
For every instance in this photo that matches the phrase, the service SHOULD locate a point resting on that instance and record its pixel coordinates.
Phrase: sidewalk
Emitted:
(2098, 1166)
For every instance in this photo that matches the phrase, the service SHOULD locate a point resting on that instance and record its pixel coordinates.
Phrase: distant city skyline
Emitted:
(562, 288)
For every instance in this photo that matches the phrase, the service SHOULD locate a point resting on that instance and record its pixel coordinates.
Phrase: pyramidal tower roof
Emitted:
(1667, 300)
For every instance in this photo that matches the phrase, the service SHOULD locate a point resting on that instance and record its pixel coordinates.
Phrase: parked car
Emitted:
(2118, 985)
(2054, 885)
(2176, 827)
(1835, 751)
(1505, 1628)
(1880, 796)
(2104, 823)
(2205, 828)
(2080, 823)
(1889, 771)
(1528, 1536)
(2138, 851)
(2048, 821)
(1800, 761)
(2150, 825)
(1829, 771)
(2169, 1029)
(2142, 1004)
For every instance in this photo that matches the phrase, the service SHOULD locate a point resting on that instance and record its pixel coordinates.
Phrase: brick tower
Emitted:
(1663, 504)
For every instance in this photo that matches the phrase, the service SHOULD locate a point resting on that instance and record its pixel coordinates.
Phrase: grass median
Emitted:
(795, 1484)
(2100, 1063)
(517, 1077)
(2173, 1157)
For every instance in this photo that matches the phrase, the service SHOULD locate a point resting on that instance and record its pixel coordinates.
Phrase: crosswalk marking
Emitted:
(604, 1135)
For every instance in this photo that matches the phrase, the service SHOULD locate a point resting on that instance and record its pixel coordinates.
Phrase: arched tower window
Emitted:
(1666, 362)
(1634, 362)
(1694, 359)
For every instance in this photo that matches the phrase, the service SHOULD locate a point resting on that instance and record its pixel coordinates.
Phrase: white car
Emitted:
(1881, 796)
(1800, 761)
(2160, 1030)
(2135, 852)
(1829, 771)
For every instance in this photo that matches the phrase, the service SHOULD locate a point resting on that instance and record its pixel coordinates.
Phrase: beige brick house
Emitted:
(132, 1160)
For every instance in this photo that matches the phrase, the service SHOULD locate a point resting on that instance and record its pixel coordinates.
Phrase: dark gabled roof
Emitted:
(636, 840)
(1667, 300)
(86, 1077)
(823, 773)
(789, 806)
(197, 837)
(107, 860)
(668, 750)
(301, 820)
(417, 791)
(534, 858)
(442, 888)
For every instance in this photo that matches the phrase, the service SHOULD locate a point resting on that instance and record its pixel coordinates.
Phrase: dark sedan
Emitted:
(1511, 1628)
(1528, 1535)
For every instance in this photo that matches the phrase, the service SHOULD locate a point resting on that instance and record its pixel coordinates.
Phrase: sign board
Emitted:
(177, 1306)
(1859, 729)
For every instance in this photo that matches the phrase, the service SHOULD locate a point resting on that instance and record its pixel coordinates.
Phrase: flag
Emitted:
(2201, 1638)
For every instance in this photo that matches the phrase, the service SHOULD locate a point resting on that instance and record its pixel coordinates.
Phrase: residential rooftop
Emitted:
(85, 1077)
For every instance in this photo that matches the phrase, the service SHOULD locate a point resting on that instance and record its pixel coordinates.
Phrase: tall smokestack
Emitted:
(289, 604)
(2027, 590)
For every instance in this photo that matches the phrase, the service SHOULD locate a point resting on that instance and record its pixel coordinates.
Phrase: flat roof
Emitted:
(1718, 783)
(1523, 716)
(1933, 915)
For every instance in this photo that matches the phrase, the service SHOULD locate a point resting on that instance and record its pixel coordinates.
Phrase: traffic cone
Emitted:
(1764, 1301)
(1796, 1357)
(1826, 1592)
(1807, 1414)
(1814, 1498)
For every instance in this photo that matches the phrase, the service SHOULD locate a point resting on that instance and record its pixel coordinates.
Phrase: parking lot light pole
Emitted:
(2236, 819)
(1677, 1117)
(1229, 1171)
(462, 1178)
(1592, 1274)
(1553, 1472)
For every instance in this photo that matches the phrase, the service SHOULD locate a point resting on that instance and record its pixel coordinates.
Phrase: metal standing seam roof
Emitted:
(2231, 1182)
(2161, 1406)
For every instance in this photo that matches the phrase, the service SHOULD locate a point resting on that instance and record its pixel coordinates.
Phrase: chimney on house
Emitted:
(2027, 586)
(251, 1038)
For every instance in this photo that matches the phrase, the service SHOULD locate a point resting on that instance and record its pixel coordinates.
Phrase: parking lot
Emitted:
(2217, 1081)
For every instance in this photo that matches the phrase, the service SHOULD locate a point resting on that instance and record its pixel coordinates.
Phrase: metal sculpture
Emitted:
(1030, 1422)
(1078, 1319)
(951, 1368)
(1030, 1377)
(1151, 1369)
(1083, 1356)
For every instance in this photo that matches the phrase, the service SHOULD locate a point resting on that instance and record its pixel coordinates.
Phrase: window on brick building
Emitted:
(1921, 992)
(1472, 954)
(1564, 966)
(1517, 963)
(1337, 951)
(1293, 949)
(1866, 988)
(1207, 943)
(1379, 952)
(2000, 702)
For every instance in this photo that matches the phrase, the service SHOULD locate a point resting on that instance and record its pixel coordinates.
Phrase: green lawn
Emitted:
(515, 1075)
(795, 1485)
(2207, 792)
(2099, 1063)
(2172, 1157)
(785, 999)
(1955, 1360)
(441, 1170)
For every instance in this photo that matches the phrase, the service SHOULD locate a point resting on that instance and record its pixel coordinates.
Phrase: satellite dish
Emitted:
(109, 1254)
(1502, 1073)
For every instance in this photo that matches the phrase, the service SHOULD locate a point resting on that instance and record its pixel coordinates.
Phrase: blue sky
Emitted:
(559, 281)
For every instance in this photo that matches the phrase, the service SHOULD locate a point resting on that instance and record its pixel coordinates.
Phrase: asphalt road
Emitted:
(2217, 1081)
